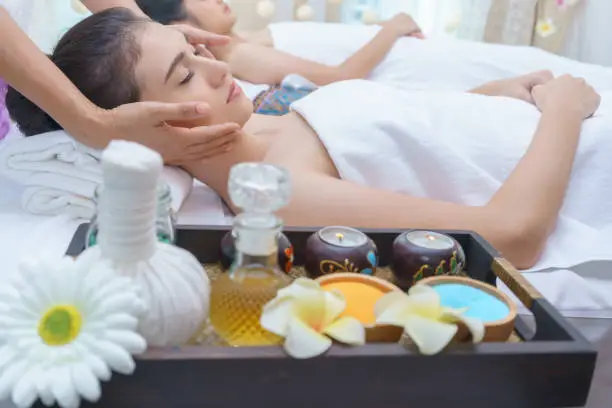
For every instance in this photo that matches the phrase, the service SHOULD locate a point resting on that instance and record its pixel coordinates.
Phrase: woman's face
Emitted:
(212, 15)
(172, 70)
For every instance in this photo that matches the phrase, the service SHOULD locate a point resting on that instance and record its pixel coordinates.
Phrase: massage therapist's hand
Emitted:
(146, 123)
(403, 25)
(197, 36)
(567, 95)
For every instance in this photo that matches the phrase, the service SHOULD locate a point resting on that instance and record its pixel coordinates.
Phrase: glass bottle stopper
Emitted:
(259, 190)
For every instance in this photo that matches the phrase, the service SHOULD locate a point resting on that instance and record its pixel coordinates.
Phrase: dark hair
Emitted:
(99, 56)
(165, 11)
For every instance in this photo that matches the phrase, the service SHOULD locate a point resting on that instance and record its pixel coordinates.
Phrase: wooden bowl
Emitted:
(374, 333)
(495, 331)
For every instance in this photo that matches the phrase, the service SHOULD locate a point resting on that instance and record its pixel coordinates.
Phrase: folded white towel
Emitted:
(60, 175)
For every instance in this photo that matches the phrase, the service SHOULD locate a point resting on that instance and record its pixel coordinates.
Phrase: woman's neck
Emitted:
(252, 145)
(235, 36)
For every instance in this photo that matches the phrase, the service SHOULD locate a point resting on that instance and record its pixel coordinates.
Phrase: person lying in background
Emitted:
(23, 66)
(251, 58)
(338, 185)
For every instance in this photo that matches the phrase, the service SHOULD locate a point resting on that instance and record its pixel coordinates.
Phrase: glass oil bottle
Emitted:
(238, 296)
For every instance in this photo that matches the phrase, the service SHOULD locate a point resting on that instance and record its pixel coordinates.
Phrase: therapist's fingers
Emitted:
(197, 36)
(160, 113)
(205, 52)
(157, 113)
(209, 141)
(217, 150)
(215, 135)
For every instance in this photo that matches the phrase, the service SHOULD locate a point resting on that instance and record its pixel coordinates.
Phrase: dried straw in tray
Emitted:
(208, 337)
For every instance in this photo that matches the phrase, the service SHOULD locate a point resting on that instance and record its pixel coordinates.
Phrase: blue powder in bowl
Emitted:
(480, 304)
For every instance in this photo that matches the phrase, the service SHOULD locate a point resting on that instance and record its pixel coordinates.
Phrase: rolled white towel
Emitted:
(60, 175)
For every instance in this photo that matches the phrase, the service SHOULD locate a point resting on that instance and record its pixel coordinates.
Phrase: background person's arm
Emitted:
(263, 65)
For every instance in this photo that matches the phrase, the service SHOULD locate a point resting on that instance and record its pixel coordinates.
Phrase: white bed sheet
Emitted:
(428, 64)
(23, 234)
(203, 207)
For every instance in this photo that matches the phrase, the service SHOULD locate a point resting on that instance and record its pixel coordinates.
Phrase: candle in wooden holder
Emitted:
(340, 249)
(285, 251)
(421, 254)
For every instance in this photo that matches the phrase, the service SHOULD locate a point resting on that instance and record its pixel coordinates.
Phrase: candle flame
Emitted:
(340, 236)
(431, 237)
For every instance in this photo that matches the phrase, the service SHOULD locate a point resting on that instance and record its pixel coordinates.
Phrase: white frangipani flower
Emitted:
(64, 326)
(546, 27)
(428, 324)
(308, 317)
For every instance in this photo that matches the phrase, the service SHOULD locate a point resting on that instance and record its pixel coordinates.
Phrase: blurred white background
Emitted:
(582, 30)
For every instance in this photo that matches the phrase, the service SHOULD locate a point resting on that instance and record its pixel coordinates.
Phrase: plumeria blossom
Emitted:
(546, 27)
(429, 325)
(307, 317)
(64, 326)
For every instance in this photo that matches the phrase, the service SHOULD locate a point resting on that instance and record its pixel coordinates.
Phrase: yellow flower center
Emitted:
(60, 325)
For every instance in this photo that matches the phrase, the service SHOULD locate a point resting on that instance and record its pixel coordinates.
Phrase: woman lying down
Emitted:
(501, 160)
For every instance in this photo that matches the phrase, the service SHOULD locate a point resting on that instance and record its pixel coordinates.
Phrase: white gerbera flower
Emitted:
(64, 325)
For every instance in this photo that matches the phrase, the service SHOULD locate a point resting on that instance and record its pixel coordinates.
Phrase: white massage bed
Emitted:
(438, 63)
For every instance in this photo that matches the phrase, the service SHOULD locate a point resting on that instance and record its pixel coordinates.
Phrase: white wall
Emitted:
(460, 18)
(45, 21)
(589, 37)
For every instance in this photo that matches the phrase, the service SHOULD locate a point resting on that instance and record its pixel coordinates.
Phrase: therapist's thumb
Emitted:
(162, 112)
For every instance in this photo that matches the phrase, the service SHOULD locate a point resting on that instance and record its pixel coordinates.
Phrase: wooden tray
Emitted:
(549, 367)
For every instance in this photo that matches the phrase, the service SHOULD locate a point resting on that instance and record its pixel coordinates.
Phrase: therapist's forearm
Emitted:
(24, 67)
(98, 5)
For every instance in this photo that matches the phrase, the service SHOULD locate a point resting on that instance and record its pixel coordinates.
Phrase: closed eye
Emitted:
(187, 78)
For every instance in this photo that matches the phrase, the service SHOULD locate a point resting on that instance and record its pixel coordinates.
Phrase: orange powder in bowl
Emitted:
(360, 299)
